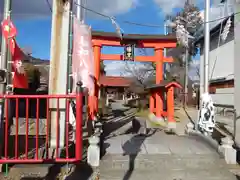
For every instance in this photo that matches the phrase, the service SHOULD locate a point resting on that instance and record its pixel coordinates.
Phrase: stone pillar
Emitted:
(93, 153)
(189, 128)
(230, 154)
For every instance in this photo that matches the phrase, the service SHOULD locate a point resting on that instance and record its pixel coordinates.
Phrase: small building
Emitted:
(114, 86)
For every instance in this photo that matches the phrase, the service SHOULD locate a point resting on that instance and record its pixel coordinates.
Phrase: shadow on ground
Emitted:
(132, 148)
(21, 150)
(76, 171)
(111, 126)
(81, 171)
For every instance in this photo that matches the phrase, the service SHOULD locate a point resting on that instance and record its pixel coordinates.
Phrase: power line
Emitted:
(114, 18)
(146, 25)
(49, 5)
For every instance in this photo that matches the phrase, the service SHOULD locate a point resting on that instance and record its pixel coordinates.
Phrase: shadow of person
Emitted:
(82, 171)
(132, 148)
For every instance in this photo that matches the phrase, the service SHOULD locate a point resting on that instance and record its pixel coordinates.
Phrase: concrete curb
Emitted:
(225, 150)
(208, 140)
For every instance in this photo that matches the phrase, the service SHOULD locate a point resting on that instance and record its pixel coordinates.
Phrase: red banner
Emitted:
(19, 77)
(82, 58)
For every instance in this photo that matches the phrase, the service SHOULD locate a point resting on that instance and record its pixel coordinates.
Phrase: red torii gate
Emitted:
(158, 42)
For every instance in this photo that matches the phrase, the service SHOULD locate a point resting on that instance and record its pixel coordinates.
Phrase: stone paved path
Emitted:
(160, 157)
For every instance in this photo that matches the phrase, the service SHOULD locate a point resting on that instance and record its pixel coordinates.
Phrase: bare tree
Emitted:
(139, 72)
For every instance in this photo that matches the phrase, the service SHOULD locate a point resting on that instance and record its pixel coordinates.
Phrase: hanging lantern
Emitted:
(129, 52)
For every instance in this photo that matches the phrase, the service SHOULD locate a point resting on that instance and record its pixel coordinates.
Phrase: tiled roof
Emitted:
(164, 84)
(115, 81)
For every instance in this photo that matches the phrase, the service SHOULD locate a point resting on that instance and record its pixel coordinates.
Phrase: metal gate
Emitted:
(26, 129)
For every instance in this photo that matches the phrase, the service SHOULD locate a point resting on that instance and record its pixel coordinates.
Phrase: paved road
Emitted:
(118, 105)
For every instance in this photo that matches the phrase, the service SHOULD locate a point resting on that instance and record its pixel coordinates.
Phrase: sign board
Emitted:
(129, 52)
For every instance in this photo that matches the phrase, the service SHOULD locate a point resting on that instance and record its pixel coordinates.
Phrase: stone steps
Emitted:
(166, 167)
(162, 161)
(167, 175)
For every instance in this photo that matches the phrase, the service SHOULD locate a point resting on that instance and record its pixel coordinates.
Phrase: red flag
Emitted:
(8, 29)
(19, 77)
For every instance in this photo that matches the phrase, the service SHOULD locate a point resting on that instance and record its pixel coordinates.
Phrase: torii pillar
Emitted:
(159, 77)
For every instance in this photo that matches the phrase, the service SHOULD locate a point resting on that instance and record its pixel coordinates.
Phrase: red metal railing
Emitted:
(36, 109)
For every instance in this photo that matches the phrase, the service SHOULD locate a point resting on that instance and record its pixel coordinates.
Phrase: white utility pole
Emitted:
(206, 45)
(59, 67)
(80, 12)
(186, 77)
(165, 53)
(4, 52)
(204, 65)
(3, 59)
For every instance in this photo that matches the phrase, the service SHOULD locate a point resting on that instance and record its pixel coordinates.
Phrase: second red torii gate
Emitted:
(158, 42)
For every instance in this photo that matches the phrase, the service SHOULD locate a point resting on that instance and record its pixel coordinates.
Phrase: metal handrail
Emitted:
(234, 117)
(224, 106)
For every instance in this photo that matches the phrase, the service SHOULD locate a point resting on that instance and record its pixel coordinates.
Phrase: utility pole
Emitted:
(3, 66)
(165, 66)
(204, 78)
(186, 70)
(80, 11)
(4, 50)
(206, 44)
(186, 77)
(165, 53)
(59, 67)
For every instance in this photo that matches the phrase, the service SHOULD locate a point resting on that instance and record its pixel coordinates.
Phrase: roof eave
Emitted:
(102, 34)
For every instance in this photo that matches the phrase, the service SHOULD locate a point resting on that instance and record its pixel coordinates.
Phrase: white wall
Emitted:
(224, 96)
(224, 64)
(222, 67)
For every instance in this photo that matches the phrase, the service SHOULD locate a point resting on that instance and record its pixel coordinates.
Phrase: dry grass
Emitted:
(142, 113)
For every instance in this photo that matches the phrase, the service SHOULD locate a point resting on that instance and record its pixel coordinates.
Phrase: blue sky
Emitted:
(36, 33)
